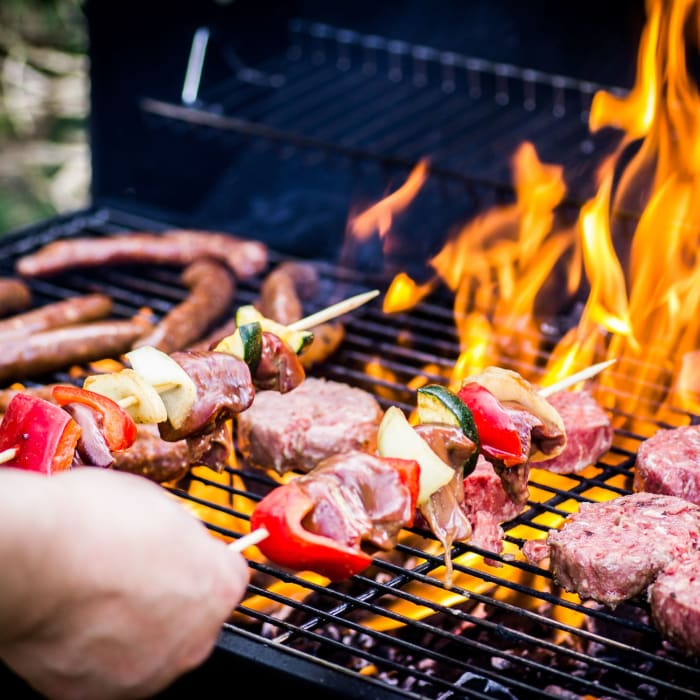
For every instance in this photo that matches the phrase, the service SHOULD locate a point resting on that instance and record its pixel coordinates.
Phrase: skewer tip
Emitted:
(248, 540)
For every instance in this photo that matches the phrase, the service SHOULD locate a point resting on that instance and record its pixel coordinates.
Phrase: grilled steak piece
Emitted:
(279, 367)
(487, 505)
(359, 498)
(296, 430)
(612, 551)
(212, 290)
(59, 348)
(675, 603)
(81, 309)
(177, 247)
(224, 388)
(15, 296)
(669, 462)
(589, 432)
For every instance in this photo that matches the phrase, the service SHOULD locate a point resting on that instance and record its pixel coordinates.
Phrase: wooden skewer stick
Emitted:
(248, 540)
(333, 311)
(160, 388)
(8, 455)
(575, 378)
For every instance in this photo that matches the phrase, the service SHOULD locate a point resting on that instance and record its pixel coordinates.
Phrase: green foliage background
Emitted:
(44, 160)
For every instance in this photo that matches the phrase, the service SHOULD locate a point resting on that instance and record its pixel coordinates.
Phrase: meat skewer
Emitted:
(271, 349)
(441, 448)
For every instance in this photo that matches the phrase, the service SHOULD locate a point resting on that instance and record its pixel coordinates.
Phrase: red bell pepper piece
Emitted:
(290, 544)
(409, 474)
(43, 434)
(118, 427)
(497, 432)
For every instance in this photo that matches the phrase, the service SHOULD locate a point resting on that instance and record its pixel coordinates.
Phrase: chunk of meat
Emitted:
(612, 551)
(675, 603)
(318, 419)
(589, 432)
(669, 463)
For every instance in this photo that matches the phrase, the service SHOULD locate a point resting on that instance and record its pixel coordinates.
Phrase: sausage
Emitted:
(43, 391)
(280, 299)
(283, 289)
(212, 290)
(89, 307)
(177, 247)
(15, 296)
(153, 457)
(59, 348)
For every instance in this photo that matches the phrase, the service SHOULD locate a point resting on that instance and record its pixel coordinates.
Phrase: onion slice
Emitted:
(160, 370)
(511, 389)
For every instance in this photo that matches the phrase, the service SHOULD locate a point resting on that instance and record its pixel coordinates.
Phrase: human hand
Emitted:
(115, 589)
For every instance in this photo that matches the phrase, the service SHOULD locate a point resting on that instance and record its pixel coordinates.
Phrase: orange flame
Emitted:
(379, 217)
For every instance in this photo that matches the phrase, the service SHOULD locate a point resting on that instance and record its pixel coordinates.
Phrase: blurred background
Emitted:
(44, 159)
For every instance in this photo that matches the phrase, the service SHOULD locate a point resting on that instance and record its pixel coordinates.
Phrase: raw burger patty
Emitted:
(675, 603)
(669, 463)
(612, 551)
(296, 430)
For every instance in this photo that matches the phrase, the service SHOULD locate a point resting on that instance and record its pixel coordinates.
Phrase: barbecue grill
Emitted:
(275, 123)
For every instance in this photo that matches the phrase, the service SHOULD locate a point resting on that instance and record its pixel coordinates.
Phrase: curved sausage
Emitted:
(178, 247)
(280, 299)
(283, 289)
(212, 290)
(55, 349)
(15, 296)
(89, 307)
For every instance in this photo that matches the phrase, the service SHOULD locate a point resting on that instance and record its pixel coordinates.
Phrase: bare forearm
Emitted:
(28, 527)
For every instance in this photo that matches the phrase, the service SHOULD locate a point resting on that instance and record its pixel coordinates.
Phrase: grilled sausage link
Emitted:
(89, 307)
(283, 289)
(55, 349)
(15, 296)
(153, 457)
(280, 299)
(177, 247)
(212, 290)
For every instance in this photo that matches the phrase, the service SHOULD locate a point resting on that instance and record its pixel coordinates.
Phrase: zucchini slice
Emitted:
(296, 340)
(397, 438)
(245, 344)
(438, 404)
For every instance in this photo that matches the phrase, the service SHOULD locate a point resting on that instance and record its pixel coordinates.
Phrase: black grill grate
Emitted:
(396, 631)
